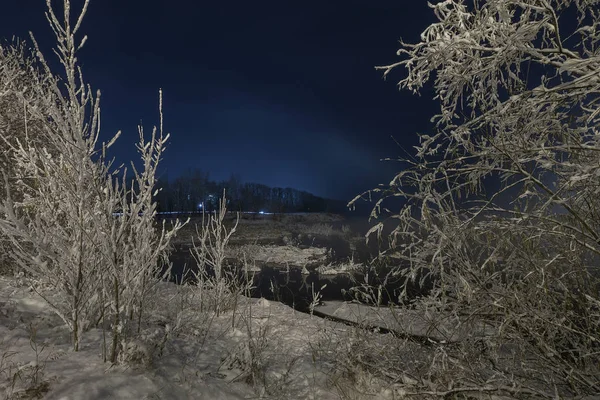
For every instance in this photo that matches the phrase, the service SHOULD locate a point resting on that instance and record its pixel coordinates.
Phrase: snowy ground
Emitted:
(340, 268)
(262, 350)
(268, 229)
(433, 325)
(281, 256)
(304, 241)
(253, 349)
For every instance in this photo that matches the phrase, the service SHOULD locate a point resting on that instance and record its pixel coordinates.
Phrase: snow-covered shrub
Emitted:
(136, 249)
(55, 228)
(218, 285)
(88, 241)
(134, 352)
(23, 90)
(501, 201)
(263, 358)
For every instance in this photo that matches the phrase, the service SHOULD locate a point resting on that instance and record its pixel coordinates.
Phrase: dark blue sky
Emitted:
(284, 93)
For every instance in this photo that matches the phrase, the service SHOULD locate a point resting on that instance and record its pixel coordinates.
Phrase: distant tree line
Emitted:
(195, 191)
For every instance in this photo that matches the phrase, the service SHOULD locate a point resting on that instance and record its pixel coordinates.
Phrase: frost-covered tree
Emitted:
(88, 241)
(135, 247)
(502, 202)
(209, 247)
(21, 83)
(53, 229)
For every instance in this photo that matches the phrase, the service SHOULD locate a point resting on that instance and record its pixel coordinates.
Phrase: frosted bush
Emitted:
(501, 200)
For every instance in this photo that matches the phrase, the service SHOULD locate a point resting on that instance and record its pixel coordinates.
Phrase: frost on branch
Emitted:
(502, 202)
(87, 240)
(23, 92)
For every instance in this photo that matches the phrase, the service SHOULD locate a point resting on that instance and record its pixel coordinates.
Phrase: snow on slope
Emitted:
(268, 350)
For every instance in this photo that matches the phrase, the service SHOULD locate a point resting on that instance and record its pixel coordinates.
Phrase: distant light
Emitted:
(200, 205)
(261, 212)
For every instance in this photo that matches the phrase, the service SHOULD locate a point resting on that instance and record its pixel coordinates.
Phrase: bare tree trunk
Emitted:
(77, 293)
(116, 321)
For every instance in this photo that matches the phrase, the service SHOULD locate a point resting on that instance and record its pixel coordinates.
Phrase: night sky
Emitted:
(280, 92)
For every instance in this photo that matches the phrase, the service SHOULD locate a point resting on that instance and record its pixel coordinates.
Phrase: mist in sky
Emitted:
(281, 93)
